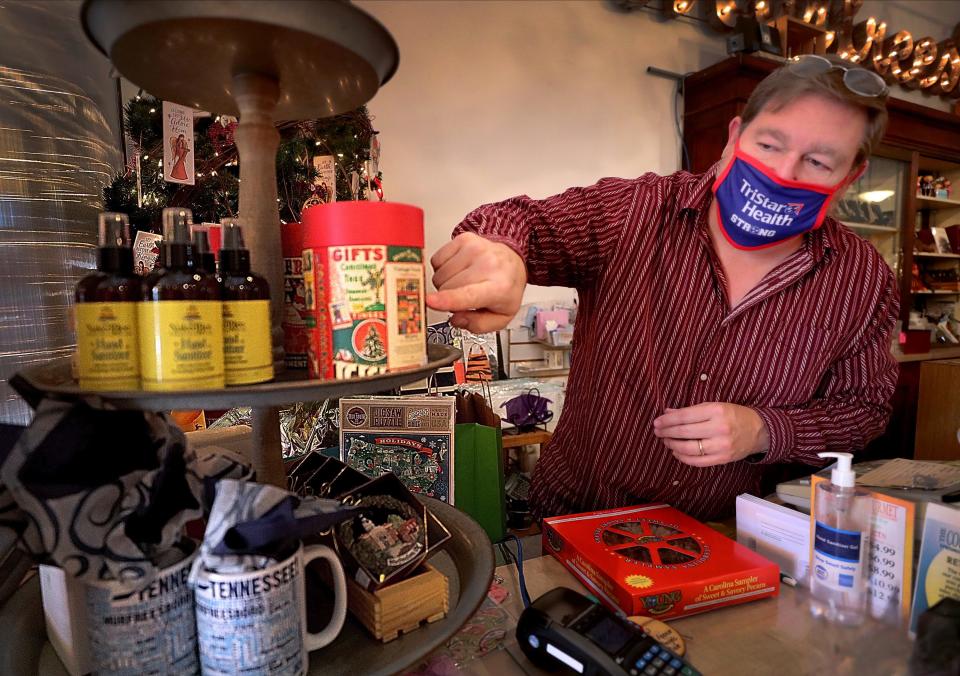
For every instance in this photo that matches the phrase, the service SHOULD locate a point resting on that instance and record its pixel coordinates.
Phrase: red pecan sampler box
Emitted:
(655, 560)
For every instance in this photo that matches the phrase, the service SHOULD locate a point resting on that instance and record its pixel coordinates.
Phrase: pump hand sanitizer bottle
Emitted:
(840, 570)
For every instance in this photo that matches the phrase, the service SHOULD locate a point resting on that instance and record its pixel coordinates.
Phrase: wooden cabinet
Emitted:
(938, 412)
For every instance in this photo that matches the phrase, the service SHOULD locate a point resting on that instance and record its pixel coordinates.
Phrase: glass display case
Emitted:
(935, 282)
(873, 204)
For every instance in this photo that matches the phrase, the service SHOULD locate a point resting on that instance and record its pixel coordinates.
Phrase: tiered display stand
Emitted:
(263, 61)
(268, 61)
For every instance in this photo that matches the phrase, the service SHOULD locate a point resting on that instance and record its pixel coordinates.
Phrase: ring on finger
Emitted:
(700, 447)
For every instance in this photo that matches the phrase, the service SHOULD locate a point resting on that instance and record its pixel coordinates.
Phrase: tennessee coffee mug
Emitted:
(150, 629)
(256, 622)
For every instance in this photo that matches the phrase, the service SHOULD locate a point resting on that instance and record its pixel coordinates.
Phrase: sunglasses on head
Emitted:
(858, 80)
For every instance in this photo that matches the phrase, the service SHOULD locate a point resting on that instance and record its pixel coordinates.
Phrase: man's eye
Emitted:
(817, 164)
(765, 146)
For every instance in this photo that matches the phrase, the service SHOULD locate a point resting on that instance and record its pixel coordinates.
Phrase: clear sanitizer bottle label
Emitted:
(838, 558)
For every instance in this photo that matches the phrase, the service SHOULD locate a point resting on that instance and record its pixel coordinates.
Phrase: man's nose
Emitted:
(789, 166)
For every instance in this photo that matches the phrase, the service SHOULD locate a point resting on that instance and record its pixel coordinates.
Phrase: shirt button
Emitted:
(676, 483)
(703, 377)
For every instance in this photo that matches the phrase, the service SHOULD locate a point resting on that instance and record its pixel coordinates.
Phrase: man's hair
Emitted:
(783, 86)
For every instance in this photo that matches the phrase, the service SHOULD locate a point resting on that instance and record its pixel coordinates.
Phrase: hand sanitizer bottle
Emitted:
(839, 572)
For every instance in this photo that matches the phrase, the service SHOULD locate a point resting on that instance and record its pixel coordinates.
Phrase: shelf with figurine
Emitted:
(936, 261)
(935, 284)
(925, 202)
(935, 188)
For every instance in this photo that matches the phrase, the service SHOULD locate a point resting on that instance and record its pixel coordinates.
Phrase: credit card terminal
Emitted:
(564, 629)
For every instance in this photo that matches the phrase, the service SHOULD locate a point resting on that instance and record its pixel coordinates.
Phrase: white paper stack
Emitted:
(779, 533)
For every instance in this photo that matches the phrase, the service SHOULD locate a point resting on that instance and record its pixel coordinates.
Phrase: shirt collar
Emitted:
(697, 195)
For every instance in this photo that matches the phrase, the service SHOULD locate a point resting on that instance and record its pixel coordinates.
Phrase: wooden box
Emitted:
(401, 607)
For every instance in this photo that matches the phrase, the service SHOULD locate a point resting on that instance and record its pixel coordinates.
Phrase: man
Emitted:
(724, 323)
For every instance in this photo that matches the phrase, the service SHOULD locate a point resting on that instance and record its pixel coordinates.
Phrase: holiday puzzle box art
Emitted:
(412, 437)
(655, 560)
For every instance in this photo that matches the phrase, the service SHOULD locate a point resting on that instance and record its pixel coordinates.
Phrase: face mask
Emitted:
(757, 209)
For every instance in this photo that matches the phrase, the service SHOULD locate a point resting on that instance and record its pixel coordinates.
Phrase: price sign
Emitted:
(891, 558)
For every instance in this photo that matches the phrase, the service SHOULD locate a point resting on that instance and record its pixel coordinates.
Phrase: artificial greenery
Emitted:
(216, 193)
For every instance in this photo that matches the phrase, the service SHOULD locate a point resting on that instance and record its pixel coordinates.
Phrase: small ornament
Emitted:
(221, 134)
(354, 185)
(139, 174)
(375, 153)
(311, 201)
(385, 535)
(939, 187)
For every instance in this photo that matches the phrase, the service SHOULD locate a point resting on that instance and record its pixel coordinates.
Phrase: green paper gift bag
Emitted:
(478, 465)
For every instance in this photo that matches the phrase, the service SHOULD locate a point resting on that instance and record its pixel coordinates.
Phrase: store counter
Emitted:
(773, 636)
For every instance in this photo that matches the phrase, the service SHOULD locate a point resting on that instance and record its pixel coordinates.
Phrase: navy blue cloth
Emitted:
(278, 532)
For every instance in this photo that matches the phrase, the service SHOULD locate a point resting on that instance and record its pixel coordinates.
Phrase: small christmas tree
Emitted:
(373, 347)
(140, 191)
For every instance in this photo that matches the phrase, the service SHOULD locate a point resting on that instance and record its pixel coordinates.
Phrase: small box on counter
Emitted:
(655, 560)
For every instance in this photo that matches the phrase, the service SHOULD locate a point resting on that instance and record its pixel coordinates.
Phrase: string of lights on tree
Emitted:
(829, 25)
(141, 191)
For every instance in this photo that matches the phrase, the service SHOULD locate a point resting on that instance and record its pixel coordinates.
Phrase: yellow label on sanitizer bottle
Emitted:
(108, 356)
(181, 345)
(247, 350)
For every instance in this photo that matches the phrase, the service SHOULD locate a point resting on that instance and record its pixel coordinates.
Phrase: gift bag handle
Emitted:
(317, 640)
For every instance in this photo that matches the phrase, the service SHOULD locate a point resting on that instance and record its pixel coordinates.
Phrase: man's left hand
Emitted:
(725, 432)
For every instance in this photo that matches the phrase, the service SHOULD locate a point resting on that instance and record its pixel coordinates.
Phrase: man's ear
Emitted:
(855, 173)
(733, 135)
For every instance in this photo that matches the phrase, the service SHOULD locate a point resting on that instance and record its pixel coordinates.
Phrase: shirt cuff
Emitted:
(780, 429)
(517, 247)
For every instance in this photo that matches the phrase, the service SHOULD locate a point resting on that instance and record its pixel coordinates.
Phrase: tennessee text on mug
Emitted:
(249, 587)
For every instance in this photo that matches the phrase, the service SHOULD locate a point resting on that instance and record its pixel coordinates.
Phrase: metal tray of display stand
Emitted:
(467, 561)
(55, 380)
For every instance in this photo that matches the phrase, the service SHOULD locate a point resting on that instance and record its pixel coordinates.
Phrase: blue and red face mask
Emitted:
(757, 209)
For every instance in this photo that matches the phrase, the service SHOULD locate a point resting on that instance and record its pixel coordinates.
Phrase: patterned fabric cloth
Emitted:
(252, 526)
(808, 348)
(104, 494)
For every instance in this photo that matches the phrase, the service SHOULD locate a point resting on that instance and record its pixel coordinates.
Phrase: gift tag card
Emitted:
(146, 251)
(325, 182)
(178, 151)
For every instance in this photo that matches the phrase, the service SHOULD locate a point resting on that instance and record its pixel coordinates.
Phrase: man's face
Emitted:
(812, 139)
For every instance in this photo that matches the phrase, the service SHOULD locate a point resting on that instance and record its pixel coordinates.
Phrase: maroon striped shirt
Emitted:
(808, 348)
